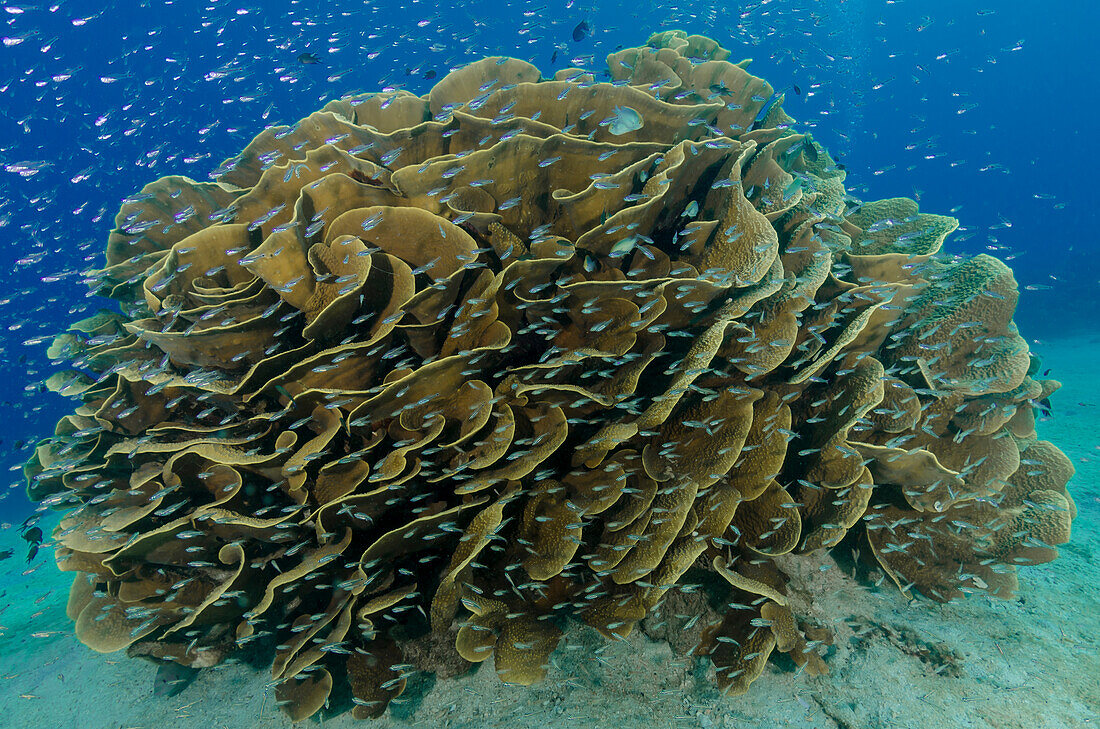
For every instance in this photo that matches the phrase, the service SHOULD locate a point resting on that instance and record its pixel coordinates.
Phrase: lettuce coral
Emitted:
(419, 380)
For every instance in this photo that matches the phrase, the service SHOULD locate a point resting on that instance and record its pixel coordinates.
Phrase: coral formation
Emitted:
(419, 380)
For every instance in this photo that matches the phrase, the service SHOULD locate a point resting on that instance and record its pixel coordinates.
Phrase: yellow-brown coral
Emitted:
(417, 381)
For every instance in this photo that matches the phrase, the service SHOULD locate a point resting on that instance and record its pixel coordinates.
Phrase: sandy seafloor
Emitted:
(1032, 662)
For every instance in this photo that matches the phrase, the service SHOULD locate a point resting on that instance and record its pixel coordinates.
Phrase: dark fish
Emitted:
(172, 678)
(308, 58)
(5, 553)
(1045, 372)
(581, 31)
(554, 57)
(1044, 405)
(34, 534)
(806, 147)
(809, 149)
(720, 88)
(429, 75)
(32, 552)
(796, 89)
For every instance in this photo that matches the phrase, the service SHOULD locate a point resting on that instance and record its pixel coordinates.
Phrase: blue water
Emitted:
(985, 111)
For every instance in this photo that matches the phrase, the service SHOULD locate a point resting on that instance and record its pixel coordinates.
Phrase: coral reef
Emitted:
(418, 380)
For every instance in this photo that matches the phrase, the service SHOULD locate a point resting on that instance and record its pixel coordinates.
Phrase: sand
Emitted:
(1031, 662)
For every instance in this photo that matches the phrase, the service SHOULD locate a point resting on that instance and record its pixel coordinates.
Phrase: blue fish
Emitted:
(772, 100)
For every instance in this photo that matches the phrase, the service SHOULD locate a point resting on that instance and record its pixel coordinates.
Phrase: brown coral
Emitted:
(418, 380)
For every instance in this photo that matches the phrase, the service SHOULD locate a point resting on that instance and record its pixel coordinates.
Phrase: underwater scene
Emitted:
(549, 364)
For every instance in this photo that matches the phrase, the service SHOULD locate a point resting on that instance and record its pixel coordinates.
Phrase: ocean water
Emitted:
(344, 533)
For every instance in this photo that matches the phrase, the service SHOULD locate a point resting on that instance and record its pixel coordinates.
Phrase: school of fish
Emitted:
(419, 380)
